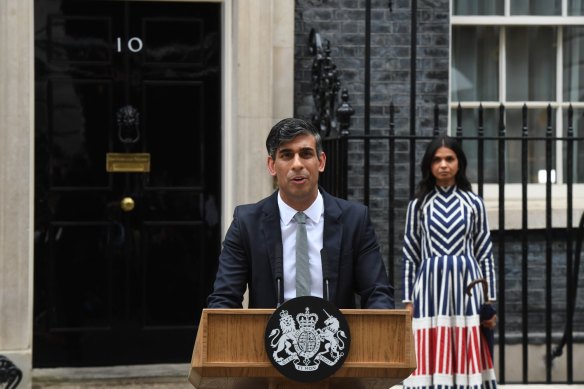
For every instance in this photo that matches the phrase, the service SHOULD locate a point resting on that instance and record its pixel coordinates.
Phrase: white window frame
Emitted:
(536, 192)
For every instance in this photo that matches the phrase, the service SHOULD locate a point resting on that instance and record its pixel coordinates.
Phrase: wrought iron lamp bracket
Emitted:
(326, 84)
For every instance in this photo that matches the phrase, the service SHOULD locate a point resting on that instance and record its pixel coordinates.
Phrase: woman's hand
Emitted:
(491, 323)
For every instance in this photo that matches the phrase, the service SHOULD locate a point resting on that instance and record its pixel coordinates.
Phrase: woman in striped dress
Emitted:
(447, 247)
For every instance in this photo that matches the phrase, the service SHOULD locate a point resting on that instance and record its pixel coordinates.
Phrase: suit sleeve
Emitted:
(483, 248)
(232, 272)
(412, 253)
(372, 283)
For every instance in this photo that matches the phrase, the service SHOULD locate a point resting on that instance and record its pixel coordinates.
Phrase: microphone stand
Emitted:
(325, 273)
(279, 272)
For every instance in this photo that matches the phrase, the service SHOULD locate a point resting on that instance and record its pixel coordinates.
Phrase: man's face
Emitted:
(296, 168)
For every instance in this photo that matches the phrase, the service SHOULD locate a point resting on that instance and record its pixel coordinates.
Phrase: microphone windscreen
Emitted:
(279, 261)
(325, 264)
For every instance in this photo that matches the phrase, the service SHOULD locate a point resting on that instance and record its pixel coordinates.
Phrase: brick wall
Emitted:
(342, 22)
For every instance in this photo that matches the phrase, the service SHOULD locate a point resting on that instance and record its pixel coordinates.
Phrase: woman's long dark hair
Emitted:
(428, 181)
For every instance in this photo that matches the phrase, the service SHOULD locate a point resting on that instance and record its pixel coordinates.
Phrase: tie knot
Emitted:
(300, 218)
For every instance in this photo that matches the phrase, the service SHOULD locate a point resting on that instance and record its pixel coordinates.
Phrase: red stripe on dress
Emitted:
(462, 347)
(446, 362)
(433, 348)
(488, 358)
(421, 353)
(475, 355)
(456, 350)
(481, 346)
(472, 367)
(449, 359)
(440, 354)
(483, 352)
(424, 351)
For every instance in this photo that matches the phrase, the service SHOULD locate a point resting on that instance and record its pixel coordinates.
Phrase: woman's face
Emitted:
(445, 166)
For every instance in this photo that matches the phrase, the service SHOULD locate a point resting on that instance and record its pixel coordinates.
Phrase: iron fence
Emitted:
(337, 180)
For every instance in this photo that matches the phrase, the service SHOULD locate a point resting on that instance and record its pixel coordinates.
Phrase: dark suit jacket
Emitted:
(249, 252)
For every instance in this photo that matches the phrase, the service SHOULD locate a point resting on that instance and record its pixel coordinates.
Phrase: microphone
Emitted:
(279, 271)
(325, 272)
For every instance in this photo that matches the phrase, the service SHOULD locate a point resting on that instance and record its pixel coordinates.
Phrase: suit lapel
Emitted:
(271, 231)
(332, 237)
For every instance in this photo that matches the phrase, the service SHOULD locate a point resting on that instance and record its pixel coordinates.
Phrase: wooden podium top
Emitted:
(230, 351)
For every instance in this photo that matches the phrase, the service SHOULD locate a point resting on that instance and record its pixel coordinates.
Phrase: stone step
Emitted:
(154, 377)
(141, 376)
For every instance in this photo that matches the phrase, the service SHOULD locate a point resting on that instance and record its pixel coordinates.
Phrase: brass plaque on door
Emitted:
(128, 162)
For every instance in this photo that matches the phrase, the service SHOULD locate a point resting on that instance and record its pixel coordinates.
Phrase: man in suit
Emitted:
(260, 245)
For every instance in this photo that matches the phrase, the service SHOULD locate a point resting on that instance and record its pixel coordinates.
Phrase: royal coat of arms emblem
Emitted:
(307, 339)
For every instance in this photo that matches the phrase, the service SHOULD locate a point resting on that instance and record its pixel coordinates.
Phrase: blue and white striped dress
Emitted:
(447, 245)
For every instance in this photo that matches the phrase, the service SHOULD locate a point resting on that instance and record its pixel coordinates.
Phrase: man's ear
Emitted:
(271, 168)
(322, 162)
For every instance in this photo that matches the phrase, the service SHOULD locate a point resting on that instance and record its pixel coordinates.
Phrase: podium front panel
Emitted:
(230, 351)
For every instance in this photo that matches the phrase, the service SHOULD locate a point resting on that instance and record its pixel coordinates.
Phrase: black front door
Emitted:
(125, 256)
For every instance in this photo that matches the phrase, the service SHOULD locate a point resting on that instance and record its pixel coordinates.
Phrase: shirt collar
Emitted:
(314, 212)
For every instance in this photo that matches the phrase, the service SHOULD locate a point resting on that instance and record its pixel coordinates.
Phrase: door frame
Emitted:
(258, 40)
(257, 91)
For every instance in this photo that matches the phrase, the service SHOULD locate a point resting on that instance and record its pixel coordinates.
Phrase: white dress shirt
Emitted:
(314, 230)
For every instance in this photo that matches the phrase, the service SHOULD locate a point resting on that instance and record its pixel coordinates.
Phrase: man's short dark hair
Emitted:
(288, 129)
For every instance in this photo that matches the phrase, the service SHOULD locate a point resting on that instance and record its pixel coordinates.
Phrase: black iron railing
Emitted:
(337, 180)
(353, 170)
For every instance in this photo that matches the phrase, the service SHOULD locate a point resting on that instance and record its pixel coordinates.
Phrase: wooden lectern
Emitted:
(230, 353)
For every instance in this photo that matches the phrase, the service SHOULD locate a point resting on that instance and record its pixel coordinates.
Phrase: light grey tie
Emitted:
(302, 261)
